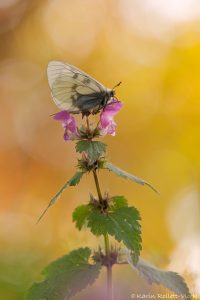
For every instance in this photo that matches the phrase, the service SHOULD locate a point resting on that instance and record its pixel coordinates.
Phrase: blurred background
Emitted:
(153, 47)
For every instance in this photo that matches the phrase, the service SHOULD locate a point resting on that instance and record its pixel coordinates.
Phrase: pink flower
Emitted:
(68, 123)
(107, 124)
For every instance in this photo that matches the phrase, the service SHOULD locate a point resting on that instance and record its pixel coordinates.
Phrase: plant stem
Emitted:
(88, 124)
(97, 186)
(109, 269)
(107, 245)
(109, 283)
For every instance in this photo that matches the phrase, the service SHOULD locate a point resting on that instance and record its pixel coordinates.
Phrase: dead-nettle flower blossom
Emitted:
(68, 123)
(107, 124)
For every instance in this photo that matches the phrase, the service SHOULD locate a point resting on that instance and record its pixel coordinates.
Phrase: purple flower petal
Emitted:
(107, 123)
(68, 123)
(62, 115)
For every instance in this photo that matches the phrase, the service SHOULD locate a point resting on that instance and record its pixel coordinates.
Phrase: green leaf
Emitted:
(122, 224)
(119, 201)
(75, 179)
(121, 173)
(80, 215)
(72, 182)
(93, 149)
(170, 280)
(65, 277)
(120, 221)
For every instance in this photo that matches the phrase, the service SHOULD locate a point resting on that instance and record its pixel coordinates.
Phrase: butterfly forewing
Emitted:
(72, 89)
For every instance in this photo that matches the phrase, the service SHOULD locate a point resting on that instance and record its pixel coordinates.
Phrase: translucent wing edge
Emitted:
(55, 67)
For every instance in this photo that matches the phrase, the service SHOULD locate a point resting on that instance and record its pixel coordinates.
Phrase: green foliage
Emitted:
(170, 280)
(80, 215)
(92, 149)
(119, 220)
(75, 179)
(122, 223)
(65, 277)
(72, 182)
(126, 175)
(118, 201)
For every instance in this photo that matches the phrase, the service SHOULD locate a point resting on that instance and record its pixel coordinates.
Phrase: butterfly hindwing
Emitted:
(72, 89)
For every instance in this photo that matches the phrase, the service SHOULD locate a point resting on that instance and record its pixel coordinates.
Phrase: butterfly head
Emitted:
(111, 92)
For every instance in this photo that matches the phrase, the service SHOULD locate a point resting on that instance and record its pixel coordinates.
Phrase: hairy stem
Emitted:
(97, 186)
(107, 245)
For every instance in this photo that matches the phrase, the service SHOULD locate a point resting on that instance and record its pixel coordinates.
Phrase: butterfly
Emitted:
(75, 91)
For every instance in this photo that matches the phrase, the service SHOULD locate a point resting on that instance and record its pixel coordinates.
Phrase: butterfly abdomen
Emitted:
(91, 103)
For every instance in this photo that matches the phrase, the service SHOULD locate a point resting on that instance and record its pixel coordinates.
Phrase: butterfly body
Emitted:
(75, 91)
(92, 103)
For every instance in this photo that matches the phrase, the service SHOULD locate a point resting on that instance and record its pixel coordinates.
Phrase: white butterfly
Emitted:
(75, 91)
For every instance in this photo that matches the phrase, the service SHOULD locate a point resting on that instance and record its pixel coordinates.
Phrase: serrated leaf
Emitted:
(72, 182)
(93, 149)
(119, 201)
(75, 179)
(171, 280)
(80, 215)
(65, 277)
(120, 221)
(109, 166)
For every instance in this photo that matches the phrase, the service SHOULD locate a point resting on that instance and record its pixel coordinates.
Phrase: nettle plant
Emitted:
(104, 215)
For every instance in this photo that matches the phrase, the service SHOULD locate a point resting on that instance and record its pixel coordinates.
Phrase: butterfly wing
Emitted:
(72, 89)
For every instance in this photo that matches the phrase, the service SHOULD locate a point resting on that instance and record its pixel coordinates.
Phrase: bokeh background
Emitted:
(153, 47)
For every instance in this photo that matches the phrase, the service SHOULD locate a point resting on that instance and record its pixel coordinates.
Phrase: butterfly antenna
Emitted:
(116, 85)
